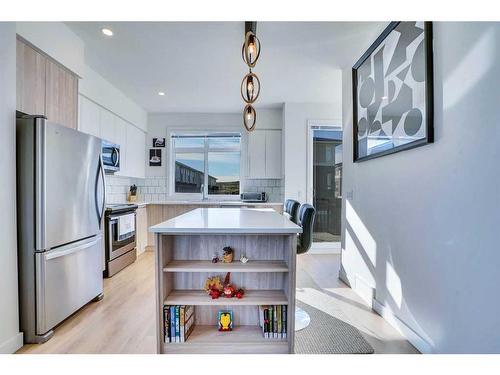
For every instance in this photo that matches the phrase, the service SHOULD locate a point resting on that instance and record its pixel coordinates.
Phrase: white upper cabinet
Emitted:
(98, 121)
(89, 117)
(108, 128)
(273, 153)
(136, 152)
(264, 154)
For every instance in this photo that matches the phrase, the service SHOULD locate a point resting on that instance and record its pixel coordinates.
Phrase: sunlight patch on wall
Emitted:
(393, 284)
(361, 233)
(472, 68)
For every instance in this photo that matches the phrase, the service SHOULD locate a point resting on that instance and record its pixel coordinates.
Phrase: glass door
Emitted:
(327, 185)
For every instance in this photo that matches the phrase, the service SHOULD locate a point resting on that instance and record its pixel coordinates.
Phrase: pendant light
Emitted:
(250, 85)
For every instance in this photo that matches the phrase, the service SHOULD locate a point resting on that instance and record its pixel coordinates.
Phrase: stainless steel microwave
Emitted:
(110, 157)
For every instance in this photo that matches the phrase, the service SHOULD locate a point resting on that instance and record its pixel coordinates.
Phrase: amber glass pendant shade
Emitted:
(249, 117)
(250, 88)
(250, 51)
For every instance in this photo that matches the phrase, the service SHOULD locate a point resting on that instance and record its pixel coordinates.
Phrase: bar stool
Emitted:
(304, 241)
(292, 208)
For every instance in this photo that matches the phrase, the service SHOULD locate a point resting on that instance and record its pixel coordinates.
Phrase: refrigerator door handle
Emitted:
(68, 249)
(100, 210)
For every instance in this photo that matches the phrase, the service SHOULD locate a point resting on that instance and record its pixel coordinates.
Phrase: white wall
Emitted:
(57, 41)
(295, 118)
(422, 225)
(10, 337)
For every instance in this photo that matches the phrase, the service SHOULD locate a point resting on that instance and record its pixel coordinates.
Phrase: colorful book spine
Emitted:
(280, 323)
(182, 322)
(166, 327)
(177, 324)
(172, 323)
(275, 325)
(284, 321)
(266, 322)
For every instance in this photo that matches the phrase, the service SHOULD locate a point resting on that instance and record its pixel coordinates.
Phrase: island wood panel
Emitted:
(255, 247)
(245, 280)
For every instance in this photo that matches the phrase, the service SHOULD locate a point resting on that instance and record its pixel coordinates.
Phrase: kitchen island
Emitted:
(184, 247)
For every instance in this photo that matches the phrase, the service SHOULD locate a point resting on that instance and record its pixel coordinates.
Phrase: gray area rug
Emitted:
(328, 335)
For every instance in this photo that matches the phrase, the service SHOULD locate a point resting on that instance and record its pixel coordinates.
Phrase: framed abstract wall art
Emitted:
(393, 92)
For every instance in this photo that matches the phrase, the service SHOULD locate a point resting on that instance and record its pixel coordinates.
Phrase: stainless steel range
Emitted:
(120, 237)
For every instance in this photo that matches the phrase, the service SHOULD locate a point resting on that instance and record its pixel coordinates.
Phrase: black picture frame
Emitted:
(158, 142)
(154, 157)
(429, 94)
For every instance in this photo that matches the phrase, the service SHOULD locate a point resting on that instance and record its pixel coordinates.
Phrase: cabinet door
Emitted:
(120, 137)
(108, 127)
(142, 229)
(257, 154)
(61, 95)
(30, 80)
(89, 117)
(136, 154)
(273, 153)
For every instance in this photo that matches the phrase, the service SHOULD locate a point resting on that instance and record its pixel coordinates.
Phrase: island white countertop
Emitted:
(228, 221)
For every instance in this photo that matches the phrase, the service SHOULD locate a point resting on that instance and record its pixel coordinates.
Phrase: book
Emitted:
(275, 321)
(283, 318)
(182, 322)
(166, 326)
(266, 322)
(278, 308)
(172, 323)
(177, 324)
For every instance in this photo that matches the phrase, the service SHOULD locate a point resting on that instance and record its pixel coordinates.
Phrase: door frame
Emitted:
(331, 124)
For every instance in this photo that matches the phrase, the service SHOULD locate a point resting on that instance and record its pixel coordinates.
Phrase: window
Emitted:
(206, 164)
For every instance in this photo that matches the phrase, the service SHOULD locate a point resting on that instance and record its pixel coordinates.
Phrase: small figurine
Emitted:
(227, 257)
(225, 320)
(228, 290)
(215, 258)
(239, 293)
(243, 259)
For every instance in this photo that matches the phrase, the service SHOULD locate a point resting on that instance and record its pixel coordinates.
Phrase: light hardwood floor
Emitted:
(124, 321)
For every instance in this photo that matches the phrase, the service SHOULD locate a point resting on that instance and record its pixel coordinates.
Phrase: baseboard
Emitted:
(414, 338)
(12, 345)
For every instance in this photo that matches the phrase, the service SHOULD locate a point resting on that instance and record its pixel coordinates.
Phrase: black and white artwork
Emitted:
(154, 158)
(392, 86)
(158, 142)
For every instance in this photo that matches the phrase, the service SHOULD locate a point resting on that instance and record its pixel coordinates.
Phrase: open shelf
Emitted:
(251, 297)
(242, 339)
(208, 266)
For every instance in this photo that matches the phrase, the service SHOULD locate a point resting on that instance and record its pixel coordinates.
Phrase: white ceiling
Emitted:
(199, 67)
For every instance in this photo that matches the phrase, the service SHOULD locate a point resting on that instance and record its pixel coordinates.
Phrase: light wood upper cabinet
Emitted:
(44, 87)
(30, 79)
(61, 95)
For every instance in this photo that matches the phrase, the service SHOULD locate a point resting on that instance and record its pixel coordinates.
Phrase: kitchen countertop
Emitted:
(227, 221)
(207, 203)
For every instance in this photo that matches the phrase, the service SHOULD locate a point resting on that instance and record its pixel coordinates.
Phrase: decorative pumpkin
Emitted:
(239, 293)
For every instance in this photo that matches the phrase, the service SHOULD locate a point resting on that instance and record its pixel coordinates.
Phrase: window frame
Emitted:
(204, 151)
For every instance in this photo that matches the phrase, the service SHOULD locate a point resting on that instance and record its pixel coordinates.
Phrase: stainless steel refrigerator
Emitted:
(60, 200)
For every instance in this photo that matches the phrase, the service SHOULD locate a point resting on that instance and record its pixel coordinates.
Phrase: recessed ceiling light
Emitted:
(107, 32)
(161, 93)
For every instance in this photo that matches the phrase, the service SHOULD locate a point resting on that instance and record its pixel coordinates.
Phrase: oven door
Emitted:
(117, 245)
(110, 157)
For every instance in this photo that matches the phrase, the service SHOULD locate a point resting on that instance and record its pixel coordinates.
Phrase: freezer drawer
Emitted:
(66, 279)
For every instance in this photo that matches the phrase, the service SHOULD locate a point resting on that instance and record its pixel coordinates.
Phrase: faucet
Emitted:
(202, 192)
